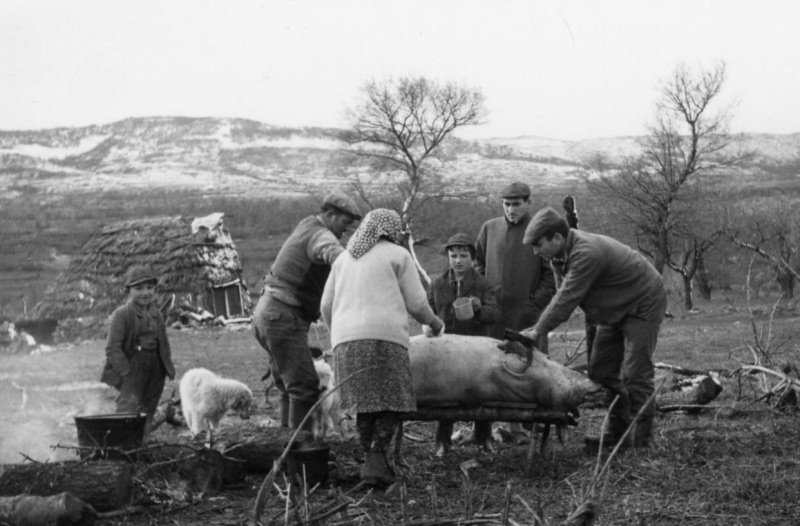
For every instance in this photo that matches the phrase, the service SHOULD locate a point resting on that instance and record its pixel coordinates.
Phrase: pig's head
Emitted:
(534, 375)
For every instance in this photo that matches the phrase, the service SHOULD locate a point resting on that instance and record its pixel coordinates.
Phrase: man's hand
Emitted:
(530, 333)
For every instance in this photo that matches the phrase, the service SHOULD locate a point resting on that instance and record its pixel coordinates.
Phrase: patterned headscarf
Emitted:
(378, 223)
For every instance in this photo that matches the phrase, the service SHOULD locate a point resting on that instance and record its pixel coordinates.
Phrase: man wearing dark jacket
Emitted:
(290, 301)
(620, 291)
(525, 280)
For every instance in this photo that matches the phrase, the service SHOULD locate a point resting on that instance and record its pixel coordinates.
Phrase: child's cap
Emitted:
(460, 240)
(139, 274)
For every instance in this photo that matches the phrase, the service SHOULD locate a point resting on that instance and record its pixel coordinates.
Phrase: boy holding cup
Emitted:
(449, 292)
(461, 283)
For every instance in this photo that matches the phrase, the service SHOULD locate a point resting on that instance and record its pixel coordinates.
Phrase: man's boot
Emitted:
(606, 439)
(618, 421)
(298, 409)
(643, 432)
(376, 470)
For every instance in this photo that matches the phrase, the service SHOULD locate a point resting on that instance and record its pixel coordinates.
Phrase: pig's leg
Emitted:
(482, 435)
(444, 432)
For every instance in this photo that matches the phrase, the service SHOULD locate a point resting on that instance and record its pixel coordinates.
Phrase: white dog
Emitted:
(206, 397)
(328, 415)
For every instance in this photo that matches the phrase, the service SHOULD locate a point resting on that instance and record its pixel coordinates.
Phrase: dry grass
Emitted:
(736, 463)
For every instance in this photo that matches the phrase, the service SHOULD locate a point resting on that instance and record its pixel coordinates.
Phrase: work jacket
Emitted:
(444, 291)
(607, 279)
(526, 282)
(123, 342)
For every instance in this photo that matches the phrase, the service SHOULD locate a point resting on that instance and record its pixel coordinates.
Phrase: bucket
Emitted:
(121, 431)
(463, 308)
(234, 470)
(313, 456)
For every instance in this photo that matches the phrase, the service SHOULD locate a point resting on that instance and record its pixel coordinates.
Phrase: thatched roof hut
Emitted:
(193, 259)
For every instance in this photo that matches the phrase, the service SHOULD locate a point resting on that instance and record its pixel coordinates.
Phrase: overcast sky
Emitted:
(556, 69)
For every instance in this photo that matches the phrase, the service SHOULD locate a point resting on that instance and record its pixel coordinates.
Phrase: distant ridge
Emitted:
(241, 156)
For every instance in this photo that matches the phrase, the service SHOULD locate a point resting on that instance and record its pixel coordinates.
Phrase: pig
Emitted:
(471, 370)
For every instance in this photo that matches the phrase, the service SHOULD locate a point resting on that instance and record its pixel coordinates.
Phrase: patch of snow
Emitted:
(294, 141)
(74, 386)
(45, 152)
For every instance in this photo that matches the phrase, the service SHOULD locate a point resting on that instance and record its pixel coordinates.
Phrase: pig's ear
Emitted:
(504, 346)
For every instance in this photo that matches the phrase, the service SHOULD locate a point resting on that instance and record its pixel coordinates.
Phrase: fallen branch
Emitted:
(747, 369)
(690, 372)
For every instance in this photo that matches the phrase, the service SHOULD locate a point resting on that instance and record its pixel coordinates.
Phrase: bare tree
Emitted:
(401, 125)
(770, 228)
(658, 192)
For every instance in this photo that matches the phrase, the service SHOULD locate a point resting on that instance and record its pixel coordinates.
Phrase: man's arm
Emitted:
(323, 247)
(584, 268)
(114, 343)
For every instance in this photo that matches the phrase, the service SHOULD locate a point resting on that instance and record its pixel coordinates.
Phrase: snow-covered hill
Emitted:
(245, 157)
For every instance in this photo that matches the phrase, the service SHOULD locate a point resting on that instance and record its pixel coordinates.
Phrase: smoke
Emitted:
(44, 430)
(41, 395)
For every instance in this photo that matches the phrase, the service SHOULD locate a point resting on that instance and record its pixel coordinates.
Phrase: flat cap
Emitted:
(342, 203)
(459, 240)
(543, 221)
(139, 274)
(514, 190)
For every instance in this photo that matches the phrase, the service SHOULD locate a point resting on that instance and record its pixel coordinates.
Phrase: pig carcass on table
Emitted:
(477, 378)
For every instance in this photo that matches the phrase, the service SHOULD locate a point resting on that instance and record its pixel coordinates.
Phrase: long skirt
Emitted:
(385, 387)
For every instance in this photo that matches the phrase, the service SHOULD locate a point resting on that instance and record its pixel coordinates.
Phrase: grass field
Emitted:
(735, 463)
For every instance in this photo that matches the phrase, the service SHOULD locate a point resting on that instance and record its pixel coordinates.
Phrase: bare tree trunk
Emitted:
(786, 281)
(660, 256)
(687, 292)
(701, 279)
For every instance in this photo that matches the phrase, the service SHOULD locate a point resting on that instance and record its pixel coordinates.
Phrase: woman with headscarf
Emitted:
(373, 287)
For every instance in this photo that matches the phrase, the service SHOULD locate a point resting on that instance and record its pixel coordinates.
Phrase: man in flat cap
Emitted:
(290, 302)
(618, 289)
(525, 280)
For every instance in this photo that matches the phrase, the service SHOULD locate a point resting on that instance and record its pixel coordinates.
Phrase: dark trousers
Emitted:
(283, 333)
(141, 390)
(622, 361)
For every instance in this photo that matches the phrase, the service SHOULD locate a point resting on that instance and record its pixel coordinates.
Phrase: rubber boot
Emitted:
(618, 421)
(607, 439)
(298, 409)
(376, 470)
(285, 411)
(643, 432)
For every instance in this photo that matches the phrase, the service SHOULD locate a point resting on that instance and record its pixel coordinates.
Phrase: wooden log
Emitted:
(258, 448)
(105, 485)
(491, 414)
(33, 510)
(691, 395)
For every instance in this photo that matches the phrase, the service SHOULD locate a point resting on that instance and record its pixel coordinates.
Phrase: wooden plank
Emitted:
(491, 414)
